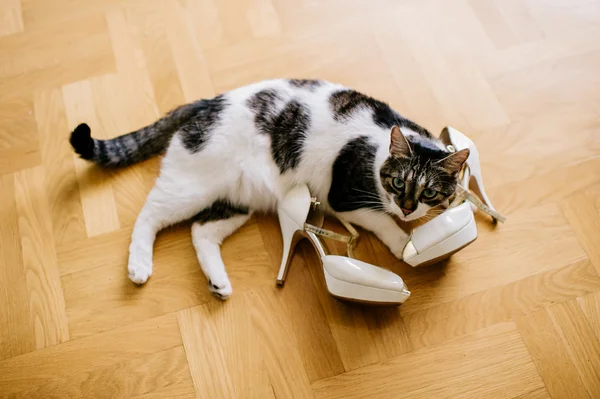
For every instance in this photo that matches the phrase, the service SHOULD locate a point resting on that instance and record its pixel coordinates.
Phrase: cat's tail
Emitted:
(133, 147)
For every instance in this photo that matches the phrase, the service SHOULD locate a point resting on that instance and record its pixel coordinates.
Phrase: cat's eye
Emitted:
(429, 193)
(398, 183)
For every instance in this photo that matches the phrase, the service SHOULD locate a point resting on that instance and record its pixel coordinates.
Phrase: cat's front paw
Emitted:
(221, 288)
(397, 248)
(139, 274)
(398, 252)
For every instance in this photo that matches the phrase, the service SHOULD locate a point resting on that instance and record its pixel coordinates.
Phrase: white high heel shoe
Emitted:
(345, 277)
(455, 228)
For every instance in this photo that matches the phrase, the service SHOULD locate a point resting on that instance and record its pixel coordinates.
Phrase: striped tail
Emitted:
(133, 147)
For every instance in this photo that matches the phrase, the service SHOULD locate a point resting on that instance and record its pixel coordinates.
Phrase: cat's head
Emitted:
(418, 175)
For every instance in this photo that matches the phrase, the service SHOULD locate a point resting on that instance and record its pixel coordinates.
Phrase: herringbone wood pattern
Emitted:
(514, 315)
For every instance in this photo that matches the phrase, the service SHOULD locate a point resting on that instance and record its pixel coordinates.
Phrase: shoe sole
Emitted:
(443, 257)
(367, 303)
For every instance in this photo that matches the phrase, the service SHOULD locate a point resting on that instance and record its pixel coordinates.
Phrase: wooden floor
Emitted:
(514, 315)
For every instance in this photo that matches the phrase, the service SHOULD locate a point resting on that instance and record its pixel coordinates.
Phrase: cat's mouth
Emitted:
(399, 215)
(397, 212)
(408, 218)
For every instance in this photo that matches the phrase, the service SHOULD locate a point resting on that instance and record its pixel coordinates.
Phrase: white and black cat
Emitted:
(241, 151)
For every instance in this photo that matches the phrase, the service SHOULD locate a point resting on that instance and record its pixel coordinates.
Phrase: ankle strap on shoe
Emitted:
(349, 240)
(464, 194)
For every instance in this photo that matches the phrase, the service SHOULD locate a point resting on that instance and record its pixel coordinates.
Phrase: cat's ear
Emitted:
(454, 162)
(399, 145)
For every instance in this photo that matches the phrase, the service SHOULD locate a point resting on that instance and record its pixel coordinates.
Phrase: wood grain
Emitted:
(452, 319)
(590, 305)
(11, 17)
(153, 41)
(55, 45)
(484, 357)
(281, 359)
(62, 189)
(181, 390)
(187, 54)
(16, 332)
(44, 288)
(154, 373)
(16, 122)
(19, 158)
(84, 355)
(555, 366)
(581, 343)
(583, 212)
(513, 315)
(96, 190)
(227, 343)
(540, 393)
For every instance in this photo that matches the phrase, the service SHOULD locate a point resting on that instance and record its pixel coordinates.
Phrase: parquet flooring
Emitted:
(514, 315)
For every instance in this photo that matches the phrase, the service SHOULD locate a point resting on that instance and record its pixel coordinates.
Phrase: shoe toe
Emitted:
(362, 273)
(409, 251)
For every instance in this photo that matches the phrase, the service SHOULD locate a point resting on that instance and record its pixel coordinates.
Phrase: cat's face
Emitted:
(418, 175)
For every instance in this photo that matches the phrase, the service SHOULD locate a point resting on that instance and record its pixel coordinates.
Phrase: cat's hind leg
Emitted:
(211, 226)
(172, 199)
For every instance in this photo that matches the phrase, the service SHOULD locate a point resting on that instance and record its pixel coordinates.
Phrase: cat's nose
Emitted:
(407, 212)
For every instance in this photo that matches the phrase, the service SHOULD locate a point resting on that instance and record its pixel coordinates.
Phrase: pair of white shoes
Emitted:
(351, 279)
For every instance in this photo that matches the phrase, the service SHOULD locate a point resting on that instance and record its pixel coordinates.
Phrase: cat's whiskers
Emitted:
(364, 191)
(379, 208)
(370, 195)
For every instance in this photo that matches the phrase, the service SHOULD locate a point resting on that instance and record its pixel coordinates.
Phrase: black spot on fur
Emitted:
(150, 140)
(220, 210)
(264, 104)
(426, 149)
(309, 84)
(353, 183)
(195, 133)
(345, 102)
(287, 126)
(82, 142)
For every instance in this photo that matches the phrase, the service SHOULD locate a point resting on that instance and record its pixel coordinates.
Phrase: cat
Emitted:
(239, 153)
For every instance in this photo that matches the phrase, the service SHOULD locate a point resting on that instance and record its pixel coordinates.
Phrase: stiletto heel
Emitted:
(455, 141)
(345, 277)
(479, 189)
(292, 214)
(455, 228)
(289, 246)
